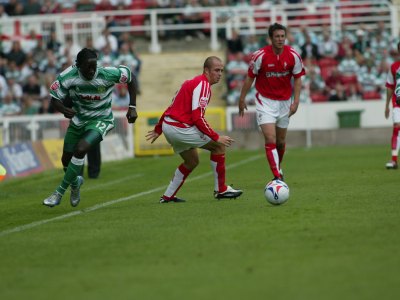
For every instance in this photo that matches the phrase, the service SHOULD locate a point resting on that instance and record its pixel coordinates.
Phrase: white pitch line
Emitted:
(105, 204)
(95, 186)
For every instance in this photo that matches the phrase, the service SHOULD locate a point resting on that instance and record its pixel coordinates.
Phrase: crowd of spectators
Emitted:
(29, 64)
(352, 65)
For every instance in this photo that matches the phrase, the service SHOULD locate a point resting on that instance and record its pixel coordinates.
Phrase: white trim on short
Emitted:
(182, 139)
(396, 115)
(272, 111)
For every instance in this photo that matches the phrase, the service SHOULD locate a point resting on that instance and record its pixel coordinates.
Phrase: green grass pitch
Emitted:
(338, 236)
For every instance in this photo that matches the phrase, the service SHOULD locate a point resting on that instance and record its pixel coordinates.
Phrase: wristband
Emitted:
(132, 106)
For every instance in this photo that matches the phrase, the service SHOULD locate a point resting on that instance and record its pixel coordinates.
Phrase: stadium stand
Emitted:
(41, 40)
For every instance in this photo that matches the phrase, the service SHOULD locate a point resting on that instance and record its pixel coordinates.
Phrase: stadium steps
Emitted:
(162, 74)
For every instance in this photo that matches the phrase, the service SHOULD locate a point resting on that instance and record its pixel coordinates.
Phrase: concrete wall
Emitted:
(298, 138)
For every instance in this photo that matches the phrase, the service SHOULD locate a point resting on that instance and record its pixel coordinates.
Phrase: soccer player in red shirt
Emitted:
(273, 68)
(186, 129)
(393, 95)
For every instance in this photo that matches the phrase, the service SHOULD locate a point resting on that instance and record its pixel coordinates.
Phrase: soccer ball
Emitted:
(276, 192)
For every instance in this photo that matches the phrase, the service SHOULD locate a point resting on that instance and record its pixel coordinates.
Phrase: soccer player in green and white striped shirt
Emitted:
(89, 87)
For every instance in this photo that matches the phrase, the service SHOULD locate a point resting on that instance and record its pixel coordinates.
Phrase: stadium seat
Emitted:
(327, 62)
(348, 79)
(318, 97)
(371, 95)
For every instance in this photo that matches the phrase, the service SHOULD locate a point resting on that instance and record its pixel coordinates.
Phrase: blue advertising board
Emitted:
(20, 160)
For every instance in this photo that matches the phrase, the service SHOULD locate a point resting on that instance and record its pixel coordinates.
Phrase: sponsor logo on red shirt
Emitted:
(203, 102)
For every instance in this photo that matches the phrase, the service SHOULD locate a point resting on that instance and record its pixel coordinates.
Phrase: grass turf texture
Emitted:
(338, 236)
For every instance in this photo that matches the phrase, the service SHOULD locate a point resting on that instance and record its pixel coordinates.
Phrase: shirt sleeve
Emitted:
(390, 83)
(200, 98)
(57, 90)
(158, 127)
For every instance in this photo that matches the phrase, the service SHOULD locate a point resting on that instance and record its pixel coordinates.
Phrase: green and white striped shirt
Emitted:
(91, 99)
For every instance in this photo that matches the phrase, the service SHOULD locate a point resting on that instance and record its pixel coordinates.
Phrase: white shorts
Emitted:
(396, 114)
(182, 139)
(272, 111)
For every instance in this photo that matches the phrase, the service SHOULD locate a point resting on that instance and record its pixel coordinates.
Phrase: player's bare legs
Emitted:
(395, 146)
(217, 160)
(275, 140)
(190, 161)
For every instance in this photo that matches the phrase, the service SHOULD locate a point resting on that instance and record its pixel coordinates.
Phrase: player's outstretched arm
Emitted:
(389, 94)
(245, 89)
(225, 140)
(131, 114)
(151, 136)
(296, 96)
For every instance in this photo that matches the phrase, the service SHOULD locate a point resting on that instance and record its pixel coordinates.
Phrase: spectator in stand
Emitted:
(19, 9)
(39, 53)
(236, 70)
(106, 57)
(252, 45)
(50, 65)
(379, 45)
(31, 40)
(32, 88)
(3, 87)
(45, 107)
(120, 97)
(334, 86)
(70, 49)
(314, 83)
(344, 33)
(85, 5)
(16, 54)
(10, 7)
(107, 38)
(234, 44)
(50, 7)
(12, 71)
(3, 14)
(368, 82)
(192, 17)
(234, 95)
(15, 89)
(383, 32)
(362, 43)
(127, 58)
(29, 105)
(10, 106)
(32, 7)
(328, 47)
(309, 49)
(102, 5)
(349, 70)
(53, 43)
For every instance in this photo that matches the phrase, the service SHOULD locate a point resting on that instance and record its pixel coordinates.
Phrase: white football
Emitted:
(276, 192)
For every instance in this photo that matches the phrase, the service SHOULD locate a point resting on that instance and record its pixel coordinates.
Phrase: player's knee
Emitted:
(80, 151)
(280, 145)
(192, 164)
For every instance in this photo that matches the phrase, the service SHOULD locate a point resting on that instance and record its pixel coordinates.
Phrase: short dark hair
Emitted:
(209, 61)
(274, 27)
(84, 55)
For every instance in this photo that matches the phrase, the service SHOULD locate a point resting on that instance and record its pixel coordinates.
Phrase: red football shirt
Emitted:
(189, 106)
(392, 80)
(274, 72)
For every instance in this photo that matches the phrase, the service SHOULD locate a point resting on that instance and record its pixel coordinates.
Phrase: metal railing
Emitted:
(251, 20)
